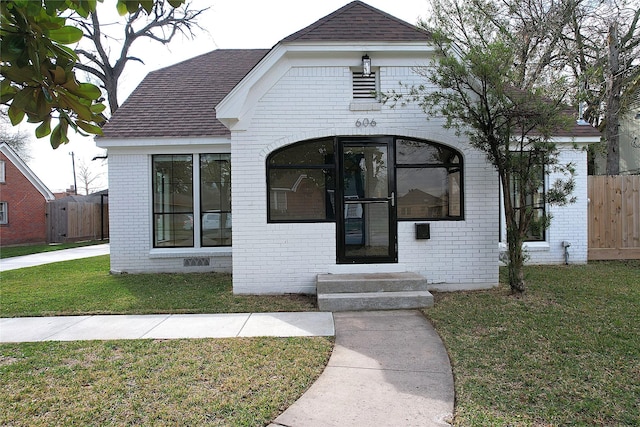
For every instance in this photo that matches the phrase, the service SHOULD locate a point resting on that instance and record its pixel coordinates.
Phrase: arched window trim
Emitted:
(331, 169)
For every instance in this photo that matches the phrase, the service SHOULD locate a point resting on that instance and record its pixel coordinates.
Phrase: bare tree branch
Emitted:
(161, 25)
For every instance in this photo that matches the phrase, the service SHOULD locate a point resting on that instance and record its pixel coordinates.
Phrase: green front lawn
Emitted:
(85, 286)
(217, 382)
(224, 382)
(567, 353)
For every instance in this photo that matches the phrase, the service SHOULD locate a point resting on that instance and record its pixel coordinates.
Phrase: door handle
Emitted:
(392, 198)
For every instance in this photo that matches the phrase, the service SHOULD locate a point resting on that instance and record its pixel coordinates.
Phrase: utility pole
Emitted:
(73, 163)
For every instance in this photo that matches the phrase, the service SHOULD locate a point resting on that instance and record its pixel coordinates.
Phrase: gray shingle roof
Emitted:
(357, 21)
(179, 100)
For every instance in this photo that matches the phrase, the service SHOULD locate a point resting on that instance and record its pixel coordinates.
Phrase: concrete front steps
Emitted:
(372, 291)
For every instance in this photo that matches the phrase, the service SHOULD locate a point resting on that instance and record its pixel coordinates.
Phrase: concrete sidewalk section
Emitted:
(165, 326)
(387, 369)
(14, 263)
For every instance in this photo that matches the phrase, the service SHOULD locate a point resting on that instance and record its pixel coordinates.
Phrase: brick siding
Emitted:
(26, 208)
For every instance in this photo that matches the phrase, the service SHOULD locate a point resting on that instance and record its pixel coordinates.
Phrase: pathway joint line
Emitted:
(48, 337)
(243, 325)
(155, 326)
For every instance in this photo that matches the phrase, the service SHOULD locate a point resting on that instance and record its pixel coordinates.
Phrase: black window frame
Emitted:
(221, 212)
(197, 204)
(334, 168)
(154, 203)
(323, 167)
(432, 165)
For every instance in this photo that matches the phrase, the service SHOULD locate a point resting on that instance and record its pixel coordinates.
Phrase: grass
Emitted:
(227, 382)
(565, 354)
(85, 287)
(217, 382)
(13, 251)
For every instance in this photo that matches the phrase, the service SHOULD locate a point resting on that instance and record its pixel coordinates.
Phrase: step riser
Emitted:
(372, 291)
(345, 283)
(368, 286)
(388, 301)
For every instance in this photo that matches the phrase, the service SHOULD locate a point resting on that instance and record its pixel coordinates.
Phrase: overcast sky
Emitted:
(231, 24)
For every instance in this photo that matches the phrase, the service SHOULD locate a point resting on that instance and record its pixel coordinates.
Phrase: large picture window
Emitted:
(301, 181)
(173, 200)
(178, 215)
(429, 181)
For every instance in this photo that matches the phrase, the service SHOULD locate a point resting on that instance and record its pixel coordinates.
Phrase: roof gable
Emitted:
(357, 21)
(13, 157)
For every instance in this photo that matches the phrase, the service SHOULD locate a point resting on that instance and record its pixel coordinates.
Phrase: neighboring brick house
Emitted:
(23, 201)
(316, 174)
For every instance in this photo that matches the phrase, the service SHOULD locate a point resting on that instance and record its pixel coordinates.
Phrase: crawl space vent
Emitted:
(196, 262)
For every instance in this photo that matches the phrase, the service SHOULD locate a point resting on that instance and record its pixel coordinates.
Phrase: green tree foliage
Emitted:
(602, 51)
(488, 84)
(37, 66)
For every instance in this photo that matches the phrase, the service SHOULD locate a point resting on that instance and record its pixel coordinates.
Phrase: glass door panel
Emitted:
(366, 228)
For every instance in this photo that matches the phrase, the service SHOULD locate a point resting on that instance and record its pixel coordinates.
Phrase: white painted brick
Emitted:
(310, 103)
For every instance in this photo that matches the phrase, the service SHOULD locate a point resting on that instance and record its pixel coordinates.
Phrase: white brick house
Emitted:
(289, 149)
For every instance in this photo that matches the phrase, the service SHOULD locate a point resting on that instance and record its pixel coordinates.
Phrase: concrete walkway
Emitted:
(165, 326)
(388, 368)
(14, 263)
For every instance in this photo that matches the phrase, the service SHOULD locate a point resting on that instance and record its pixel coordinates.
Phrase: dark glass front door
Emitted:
(366, 217)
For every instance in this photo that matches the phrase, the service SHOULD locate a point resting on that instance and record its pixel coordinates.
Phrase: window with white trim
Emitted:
(2, 171)
(535, 201)
(4, 213)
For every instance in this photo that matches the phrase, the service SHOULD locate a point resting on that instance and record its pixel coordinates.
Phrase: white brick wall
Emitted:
(569, 223)
(313, 102)
(281, 258)
(130, 219)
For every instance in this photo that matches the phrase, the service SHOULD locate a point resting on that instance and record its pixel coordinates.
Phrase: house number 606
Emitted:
(365, 123)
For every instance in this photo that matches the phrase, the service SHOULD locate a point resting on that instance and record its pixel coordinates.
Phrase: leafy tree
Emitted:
(38, 66)
(602, 50)
(486, 83)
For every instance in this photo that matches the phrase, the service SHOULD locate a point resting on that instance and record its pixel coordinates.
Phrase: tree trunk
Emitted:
(516, 261)
(514, 238)
(614, 89)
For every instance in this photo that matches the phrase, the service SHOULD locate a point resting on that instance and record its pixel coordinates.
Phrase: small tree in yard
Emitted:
(482, 96)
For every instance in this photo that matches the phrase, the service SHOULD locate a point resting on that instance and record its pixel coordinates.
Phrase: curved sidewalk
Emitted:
(14, 263)
(388, 368)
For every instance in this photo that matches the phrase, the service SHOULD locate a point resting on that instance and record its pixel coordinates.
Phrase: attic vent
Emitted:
(364, 87)
(196, 262)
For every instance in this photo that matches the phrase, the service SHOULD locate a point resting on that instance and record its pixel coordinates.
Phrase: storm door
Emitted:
(366, 212)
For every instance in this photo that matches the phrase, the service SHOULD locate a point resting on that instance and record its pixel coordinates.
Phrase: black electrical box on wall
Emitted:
(423, 231)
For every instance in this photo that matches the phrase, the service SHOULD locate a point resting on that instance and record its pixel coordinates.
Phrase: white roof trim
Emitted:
(26, 171)
(155, 141)
(575, 139)
(242, 99)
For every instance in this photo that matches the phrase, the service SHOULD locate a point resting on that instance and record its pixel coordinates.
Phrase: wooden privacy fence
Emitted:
(614, 217)
(73, 219)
